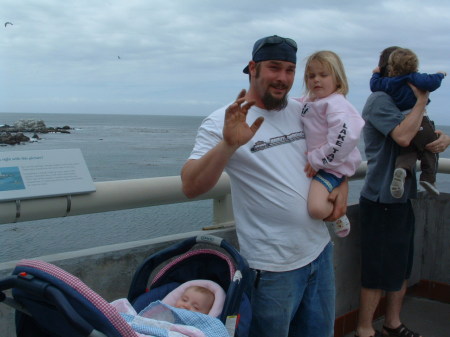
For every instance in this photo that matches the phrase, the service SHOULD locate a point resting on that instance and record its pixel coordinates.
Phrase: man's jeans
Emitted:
(297, 303)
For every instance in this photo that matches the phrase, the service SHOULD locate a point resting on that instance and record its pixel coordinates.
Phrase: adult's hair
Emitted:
(333, 63)
(402, 61)
(384, 60)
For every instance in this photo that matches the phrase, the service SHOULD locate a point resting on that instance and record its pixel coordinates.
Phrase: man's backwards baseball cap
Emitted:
(274, 48)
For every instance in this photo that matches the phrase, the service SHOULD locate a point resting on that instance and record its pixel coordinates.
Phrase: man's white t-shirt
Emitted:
(269, 189)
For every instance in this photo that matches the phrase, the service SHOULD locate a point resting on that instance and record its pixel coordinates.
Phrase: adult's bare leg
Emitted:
(368, 303)
(394, 303)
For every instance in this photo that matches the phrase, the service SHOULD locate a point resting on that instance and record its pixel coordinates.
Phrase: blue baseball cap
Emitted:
(274, 48)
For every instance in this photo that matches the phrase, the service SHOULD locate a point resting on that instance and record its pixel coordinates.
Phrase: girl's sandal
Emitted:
(401, 331)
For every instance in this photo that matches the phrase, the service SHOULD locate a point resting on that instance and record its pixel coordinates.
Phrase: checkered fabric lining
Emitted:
(104, 307)
(192, 253)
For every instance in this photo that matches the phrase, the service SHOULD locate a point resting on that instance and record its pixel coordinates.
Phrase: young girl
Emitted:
(332, 128)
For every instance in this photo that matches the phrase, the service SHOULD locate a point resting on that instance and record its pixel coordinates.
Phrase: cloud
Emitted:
(63, 56)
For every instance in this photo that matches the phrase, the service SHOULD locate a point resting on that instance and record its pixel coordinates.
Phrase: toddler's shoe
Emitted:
(398, 183)
(429, 187)
(341, 226)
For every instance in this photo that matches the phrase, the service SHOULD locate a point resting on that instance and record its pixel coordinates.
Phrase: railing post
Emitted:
(223, 212)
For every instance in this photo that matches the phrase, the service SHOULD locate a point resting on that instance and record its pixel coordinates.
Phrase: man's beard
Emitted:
(272, 103)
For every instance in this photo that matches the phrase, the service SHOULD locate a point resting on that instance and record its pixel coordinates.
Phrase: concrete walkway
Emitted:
(427, 317)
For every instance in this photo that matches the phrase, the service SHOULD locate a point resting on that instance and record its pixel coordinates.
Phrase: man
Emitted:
(291, 253)
(387, 224)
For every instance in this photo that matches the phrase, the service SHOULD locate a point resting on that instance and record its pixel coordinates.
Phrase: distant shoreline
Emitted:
(2, 122)
(91, 114)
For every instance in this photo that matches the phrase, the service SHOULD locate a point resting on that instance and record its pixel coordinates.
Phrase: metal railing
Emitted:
(134, 193)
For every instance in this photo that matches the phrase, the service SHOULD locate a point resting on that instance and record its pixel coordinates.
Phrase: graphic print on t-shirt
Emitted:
(275, 141)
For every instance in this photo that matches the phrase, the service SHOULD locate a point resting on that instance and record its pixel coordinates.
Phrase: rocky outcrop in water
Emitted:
(12, 135)
(13, 139)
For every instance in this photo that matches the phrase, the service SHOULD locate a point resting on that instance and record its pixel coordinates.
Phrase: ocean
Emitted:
(120, 147)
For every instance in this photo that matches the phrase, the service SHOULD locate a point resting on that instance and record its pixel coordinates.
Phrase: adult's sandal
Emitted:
(401, 331)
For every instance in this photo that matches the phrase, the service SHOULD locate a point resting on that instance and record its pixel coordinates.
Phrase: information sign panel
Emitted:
(43, 173)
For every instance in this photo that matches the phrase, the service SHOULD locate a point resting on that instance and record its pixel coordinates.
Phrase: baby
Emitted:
(197, 299)
(201, 300)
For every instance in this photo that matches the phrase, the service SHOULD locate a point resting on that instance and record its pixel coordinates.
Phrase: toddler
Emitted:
(332, 128)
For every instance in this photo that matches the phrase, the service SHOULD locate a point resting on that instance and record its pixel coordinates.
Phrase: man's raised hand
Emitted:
(236, 131)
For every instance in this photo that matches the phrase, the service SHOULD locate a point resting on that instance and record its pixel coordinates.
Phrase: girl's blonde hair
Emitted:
(334, 64)
(402, 61)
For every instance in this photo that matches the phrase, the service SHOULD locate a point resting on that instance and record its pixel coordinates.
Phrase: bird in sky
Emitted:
(118, 57)
(8, 23)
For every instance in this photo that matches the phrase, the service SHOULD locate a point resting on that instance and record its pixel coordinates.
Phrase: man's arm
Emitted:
(200, 175)
(403, 133)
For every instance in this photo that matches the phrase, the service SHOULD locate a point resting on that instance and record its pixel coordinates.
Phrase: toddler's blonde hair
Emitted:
(402, 61)
(334, 64)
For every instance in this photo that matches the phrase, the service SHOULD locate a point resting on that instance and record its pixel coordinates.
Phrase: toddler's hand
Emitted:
(310, 172)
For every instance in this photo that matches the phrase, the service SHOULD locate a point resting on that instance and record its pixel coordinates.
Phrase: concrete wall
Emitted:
(431, 256)
(433, 236)
(108, 270)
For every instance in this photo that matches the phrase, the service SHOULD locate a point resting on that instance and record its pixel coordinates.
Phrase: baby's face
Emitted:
(194, 300)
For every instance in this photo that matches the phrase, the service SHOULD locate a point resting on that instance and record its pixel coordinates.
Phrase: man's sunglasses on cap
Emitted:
(271, 40)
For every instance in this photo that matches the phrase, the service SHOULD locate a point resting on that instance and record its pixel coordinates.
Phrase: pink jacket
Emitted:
(332, 128)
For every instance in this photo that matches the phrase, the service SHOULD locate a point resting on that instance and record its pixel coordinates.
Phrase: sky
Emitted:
(185, 57)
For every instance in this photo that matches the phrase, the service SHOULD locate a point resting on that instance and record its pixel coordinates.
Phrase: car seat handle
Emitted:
(209, 239)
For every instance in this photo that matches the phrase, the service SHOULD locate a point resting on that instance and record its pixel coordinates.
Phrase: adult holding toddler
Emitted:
(387, 223)
(402, 69)
(259, 141)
